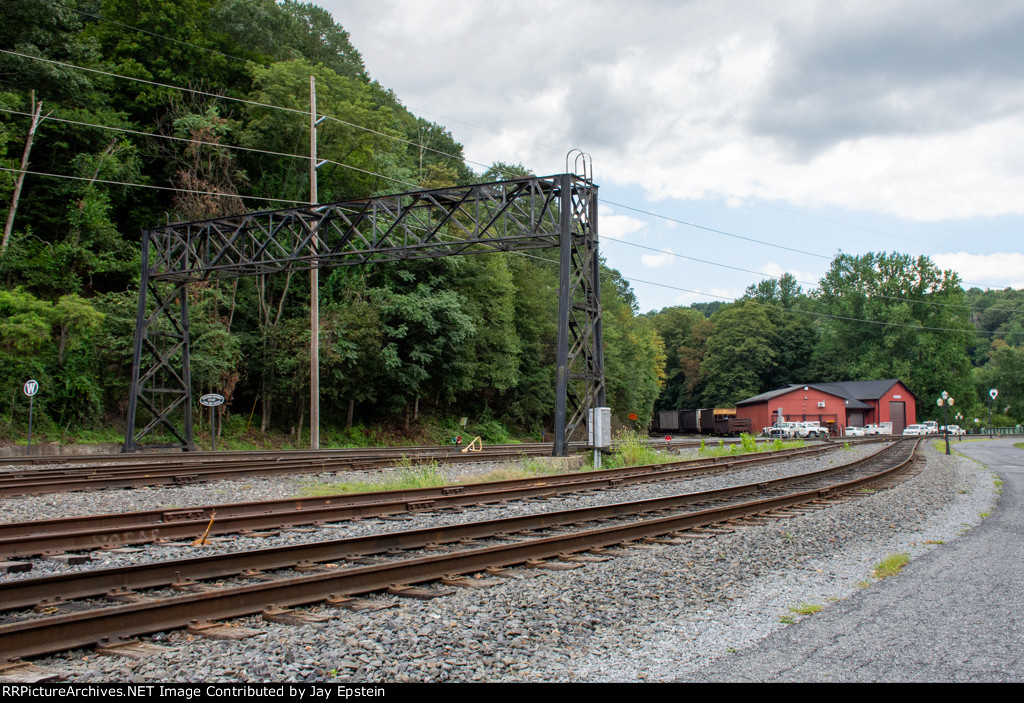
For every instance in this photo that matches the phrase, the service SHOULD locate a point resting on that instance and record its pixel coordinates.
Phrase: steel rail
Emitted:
(144, 459)
(26, 592)
(135, 477)
(56, 633)
(98, 531)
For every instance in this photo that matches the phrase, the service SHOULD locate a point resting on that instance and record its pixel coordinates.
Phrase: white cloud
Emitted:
(995, 270)
(653, 261)
(911, 109)
(612, 226)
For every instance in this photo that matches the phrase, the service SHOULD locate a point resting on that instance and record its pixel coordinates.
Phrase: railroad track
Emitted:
(212, 468)
(337, 570)
(113, 530)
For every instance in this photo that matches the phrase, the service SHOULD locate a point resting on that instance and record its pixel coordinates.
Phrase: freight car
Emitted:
(708, 421)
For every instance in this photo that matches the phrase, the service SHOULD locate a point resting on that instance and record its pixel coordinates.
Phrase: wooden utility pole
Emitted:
(37, 112)
(314, 284)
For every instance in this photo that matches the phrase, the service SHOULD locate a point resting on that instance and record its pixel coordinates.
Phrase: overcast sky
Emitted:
(817, 126)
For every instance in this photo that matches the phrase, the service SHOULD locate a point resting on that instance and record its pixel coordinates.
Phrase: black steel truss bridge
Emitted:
(557, 211)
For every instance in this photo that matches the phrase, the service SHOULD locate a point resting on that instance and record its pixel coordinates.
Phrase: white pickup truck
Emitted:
(808, 429)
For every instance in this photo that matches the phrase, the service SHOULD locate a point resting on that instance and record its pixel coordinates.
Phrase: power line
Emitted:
(414, 144)
(632, 280)
(471, 124)
(709, 190)
(244, 101)
(806, 283)
(718, 231)
(776, 307)
(809, 312)
(194, 91)
(216, 145)
(146, 185)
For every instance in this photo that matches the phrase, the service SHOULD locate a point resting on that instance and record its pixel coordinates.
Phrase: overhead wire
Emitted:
(433, 150)
(153, 187)
(806, 283)
(726, 299)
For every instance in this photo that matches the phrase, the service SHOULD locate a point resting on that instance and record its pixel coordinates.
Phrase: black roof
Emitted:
(853, 392)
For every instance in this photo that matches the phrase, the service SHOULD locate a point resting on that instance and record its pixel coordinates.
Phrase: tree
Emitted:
(795, 333)
(894, 316)
(739, 354)
(682, 332)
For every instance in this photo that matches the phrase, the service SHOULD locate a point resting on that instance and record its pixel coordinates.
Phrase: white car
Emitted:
(913, 430)
(954, 430)
(854, 432)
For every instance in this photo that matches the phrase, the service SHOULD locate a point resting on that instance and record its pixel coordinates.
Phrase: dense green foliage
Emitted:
(872, 316)
(463, 336)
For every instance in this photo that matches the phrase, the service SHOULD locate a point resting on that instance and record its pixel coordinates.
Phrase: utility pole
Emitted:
(314, 283)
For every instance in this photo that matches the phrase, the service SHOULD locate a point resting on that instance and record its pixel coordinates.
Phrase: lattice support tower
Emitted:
(517, 215)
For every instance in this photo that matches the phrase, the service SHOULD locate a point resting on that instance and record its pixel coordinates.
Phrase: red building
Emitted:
(834, 405)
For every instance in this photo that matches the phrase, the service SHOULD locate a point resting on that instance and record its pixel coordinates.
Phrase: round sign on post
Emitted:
(30, 388)
(212, 400)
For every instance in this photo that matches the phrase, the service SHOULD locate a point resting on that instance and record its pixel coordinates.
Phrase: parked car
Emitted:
(808, 429)
(954, 430)
(880, 428)
(913, 430)
(854, 432)
(932, 426)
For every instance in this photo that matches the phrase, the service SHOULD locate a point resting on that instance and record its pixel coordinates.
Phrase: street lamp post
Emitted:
(944, 402)
(959, 419)
(992, 395)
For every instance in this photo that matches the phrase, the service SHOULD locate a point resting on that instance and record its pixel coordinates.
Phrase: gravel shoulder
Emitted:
(655, 614)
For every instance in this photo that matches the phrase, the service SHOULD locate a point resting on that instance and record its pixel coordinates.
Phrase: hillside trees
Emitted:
(472, 335)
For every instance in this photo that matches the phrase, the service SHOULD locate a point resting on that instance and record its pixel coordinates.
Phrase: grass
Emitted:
(530, 469)
(632, 449)
(805, 609)
(891, 565)
(427, 476)
(747, 445)
(787, 620)
(430, 476)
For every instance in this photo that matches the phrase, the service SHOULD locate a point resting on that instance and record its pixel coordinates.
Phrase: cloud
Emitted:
(911, 108)
(653, 261)
(612, 226)
(861, 70)
(994, 270)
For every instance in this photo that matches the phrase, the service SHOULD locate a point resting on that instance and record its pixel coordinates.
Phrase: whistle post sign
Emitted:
(30, 389)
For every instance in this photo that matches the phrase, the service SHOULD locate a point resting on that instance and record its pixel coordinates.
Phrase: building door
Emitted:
(855, 419)
(898, 416)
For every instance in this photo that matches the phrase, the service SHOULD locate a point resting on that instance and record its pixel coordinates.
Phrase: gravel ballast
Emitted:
(652, 614)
